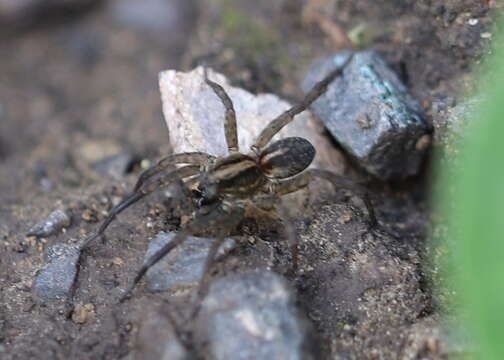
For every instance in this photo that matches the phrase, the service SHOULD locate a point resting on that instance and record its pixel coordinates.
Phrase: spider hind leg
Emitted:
(225, 217)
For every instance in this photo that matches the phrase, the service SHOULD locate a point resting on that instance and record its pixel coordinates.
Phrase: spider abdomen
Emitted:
(286, 157)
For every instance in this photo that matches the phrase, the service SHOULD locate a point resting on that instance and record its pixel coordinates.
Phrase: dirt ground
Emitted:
(90, 82)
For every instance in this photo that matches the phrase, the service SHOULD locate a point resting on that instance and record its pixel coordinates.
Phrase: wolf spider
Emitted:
(226, 186)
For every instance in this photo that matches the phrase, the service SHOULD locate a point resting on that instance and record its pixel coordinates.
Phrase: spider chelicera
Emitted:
(226, 186)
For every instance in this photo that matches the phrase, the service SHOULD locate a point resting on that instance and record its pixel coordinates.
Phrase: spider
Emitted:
(226, 186)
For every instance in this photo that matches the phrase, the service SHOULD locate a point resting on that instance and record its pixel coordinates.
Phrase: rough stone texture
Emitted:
(370, 113)
(156, 338)
(256, 311)
(56, 221)
(56, 279)
(195, 117)
(183, 266)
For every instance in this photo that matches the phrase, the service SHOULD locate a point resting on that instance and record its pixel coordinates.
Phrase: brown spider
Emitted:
(227, 185)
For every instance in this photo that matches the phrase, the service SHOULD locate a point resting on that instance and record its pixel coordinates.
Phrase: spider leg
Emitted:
(177, 240)
(170, 177)
(223, 215)
(204, 281)
(286, 117)
(291, 234)
(129, 200)
(338, 182)
(197, 158)
(230, 117)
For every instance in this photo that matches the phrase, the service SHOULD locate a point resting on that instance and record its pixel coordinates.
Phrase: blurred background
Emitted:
(76, 72)
(79, 87)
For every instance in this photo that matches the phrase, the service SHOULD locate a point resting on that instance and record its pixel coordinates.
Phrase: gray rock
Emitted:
(97, 158)
(56, 221)
(370, 113)
(183, 266)
(253, 315)
(56, 279)
(115, 166)
(195, 117)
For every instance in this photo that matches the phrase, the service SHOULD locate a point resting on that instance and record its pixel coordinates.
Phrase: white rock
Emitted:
(195, 117)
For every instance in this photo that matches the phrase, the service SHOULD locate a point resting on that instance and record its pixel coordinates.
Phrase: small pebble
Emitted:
(56, 221)
(117, 261)
(345, 218)
(89, 215)
(56, 279)
(83, 313)
(19, 246)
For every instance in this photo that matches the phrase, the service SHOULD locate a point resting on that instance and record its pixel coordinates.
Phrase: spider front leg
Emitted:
(196, 158)
(230, 130)
(174, 176)
(177, 240)
(286, 117)
(204, 281)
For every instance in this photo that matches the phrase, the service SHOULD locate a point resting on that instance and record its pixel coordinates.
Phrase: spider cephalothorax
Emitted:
(241, 175)
(225, 186)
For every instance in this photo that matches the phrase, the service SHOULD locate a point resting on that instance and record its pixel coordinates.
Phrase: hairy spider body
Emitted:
(241, 175)
(226, 186)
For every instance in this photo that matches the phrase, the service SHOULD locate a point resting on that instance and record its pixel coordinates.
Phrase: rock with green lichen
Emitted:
(370, 113)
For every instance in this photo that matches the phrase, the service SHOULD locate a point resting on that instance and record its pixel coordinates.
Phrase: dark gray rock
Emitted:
(370, 113)
(253, 315)
(56, 221)
(183, 266)
(56, 279)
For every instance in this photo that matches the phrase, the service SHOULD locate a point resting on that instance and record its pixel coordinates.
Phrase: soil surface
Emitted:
(75, 91)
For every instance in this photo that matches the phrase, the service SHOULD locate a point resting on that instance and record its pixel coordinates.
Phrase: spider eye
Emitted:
(208, 192)
(287, 157)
